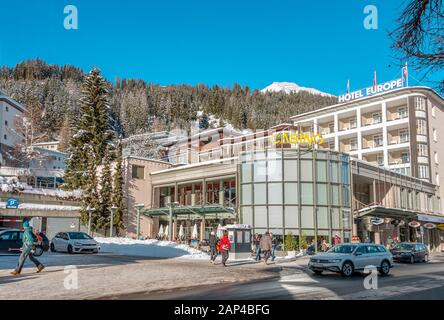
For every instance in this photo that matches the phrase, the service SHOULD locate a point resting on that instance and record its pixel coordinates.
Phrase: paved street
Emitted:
(418, 281)
(111, 276)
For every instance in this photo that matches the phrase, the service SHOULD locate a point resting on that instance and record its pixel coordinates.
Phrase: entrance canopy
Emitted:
(383, 212)
(186, 211)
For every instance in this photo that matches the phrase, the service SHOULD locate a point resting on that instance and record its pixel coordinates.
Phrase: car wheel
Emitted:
(317, 272)
(69, 249)
(38, 251)
(385, 268)
(347, 269)
(412, 259)
(52, 247)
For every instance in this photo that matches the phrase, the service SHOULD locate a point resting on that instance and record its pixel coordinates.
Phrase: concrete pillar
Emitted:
(174, 230)
(377, 237)
(202, 229)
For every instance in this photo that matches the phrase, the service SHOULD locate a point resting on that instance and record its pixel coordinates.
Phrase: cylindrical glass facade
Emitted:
(297, 191)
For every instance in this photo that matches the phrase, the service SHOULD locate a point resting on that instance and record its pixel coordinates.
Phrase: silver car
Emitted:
(350, 257)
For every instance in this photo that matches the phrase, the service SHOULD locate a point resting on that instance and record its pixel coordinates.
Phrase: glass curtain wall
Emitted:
(299, 192)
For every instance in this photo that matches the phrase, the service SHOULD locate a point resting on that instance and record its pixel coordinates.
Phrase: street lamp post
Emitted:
(171, 205)
(90, 211)
(113, 210)
(138, 207)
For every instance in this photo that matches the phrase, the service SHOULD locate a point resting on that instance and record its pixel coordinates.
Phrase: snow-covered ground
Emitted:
(149, 248)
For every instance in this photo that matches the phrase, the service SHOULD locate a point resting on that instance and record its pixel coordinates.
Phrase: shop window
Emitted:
(260, 216)
(291, 193)
(275, 193)
(260, 193)
(274, 170)
(306, 193)
(321, 194)
(246, 194)
(247, 215)
(306, 170)
(246, 172)
(307, 217)
(335, 218)
(260, 171)
(291, 217)
(275, 217)
(290, 170)
(321, 171)
(322, 217)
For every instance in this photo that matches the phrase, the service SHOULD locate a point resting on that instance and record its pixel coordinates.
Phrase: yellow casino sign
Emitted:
(297, 138)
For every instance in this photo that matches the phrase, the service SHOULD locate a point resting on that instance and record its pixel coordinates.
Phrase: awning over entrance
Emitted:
(200, 211)
(383, 212)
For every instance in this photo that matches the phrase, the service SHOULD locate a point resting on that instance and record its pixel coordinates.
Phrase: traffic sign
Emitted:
(12, 203)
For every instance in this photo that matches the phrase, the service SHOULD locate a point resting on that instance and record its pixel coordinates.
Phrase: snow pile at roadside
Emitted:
(149, 248)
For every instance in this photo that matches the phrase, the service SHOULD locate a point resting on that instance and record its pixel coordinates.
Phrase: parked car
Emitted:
(11, 241)
(74, 242)
(410, 252)
(350, 257)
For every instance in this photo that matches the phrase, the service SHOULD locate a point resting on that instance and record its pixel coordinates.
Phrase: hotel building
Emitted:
(378, 158)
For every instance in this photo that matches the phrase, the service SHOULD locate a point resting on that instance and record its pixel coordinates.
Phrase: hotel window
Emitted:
(380, 160)
(5, 137)
(405, 157)
(331, 145)
(402, 112)
(403, 136)
(352, 123)
(435, 135)
(138, 172)
(436, 158)
(6, 122)
(422, 150)
(423, 172)
(421, 127)
(377, 117)
(331, 127)
(420, 104)
(7, 108)
(377, 140)
(353, 144)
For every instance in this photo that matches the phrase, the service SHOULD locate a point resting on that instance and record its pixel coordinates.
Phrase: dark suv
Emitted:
(410, 252)
(11, 241)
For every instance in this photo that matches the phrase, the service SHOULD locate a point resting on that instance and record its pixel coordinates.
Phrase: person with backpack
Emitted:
(28, 248)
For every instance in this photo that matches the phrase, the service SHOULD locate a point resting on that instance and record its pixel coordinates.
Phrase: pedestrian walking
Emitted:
(324, 246)
(28, 248)
(273, 246)
(225, 247)
(266, 245)
(257, 243)
(213, 243)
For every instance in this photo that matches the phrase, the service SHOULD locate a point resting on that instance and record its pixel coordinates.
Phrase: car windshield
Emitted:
(343, 248)
(405, 246)
(78, 236)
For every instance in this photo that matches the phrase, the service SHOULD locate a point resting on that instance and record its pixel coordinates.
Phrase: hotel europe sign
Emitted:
(375, 89)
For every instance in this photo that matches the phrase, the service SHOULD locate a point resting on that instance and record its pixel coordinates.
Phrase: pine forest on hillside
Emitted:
(138, 107)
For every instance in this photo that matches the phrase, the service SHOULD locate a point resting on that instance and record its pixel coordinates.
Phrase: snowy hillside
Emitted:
(290, 87)
(149, 248)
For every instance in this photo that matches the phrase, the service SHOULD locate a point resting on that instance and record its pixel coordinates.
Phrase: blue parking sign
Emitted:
(12, 203)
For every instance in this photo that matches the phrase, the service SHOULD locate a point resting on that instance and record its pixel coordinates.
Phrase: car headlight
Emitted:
(334, 260)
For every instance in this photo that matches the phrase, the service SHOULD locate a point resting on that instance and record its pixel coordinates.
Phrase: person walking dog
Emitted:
(27, 250)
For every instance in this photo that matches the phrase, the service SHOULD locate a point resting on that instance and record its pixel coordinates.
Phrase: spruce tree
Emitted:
(118, 188)
(92, 131)
(90, 196)
(105, 193)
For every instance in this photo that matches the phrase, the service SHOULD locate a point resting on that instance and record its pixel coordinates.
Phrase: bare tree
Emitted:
(419, 36)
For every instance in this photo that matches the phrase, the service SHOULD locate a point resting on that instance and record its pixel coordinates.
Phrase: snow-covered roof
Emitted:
(43, 207)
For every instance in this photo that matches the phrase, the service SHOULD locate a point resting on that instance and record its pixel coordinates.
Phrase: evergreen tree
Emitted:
(118, 188)
(92, 131)
(90, 196)
(65, 134)
(105, 193)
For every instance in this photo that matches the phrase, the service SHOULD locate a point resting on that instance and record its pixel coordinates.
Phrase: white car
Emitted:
(350, 257)
(74, 242)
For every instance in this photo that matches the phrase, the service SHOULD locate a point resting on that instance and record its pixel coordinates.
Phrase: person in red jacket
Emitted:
(225, 247)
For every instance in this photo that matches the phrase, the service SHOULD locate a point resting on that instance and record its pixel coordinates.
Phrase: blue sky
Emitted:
(318, 44)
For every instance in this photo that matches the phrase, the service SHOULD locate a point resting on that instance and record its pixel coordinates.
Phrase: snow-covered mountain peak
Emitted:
(291, 87)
